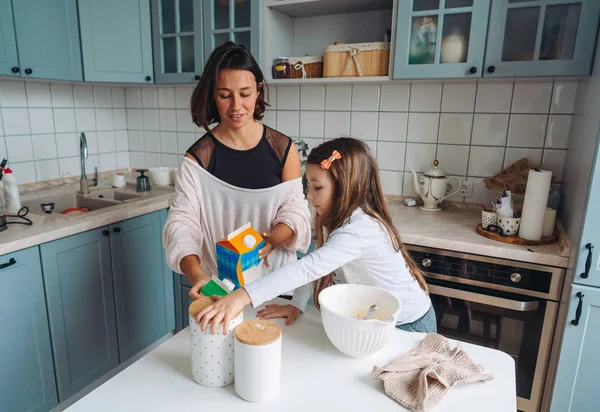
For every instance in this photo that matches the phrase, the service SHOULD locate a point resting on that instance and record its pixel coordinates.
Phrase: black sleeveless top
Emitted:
(257, 168)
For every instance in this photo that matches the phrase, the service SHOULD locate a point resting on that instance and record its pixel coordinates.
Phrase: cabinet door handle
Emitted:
(28, 71)
(106, 232)
(148, 78)
(11, 262)
(491, 69)
(575, 321)
(473, 70)
(15, 69)
(588, 261)
(117, 230)
(197, 77)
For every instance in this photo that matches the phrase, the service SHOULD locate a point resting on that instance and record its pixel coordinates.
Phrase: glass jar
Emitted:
(281, 68)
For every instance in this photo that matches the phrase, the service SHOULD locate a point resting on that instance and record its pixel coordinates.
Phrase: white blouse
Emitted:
(360, 251)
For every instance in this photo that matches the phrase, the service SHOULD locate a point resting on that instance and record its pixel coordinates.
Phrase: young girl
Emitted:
(354, 233)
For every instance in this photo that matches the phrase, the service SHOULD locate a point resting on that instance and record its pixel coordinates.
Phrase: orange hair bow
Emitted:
(326, 164)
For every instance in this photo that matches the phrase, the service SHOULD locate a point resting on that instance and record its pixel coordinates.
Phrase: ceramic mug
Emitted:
(119, 180)
(488, 217)
(509, 225)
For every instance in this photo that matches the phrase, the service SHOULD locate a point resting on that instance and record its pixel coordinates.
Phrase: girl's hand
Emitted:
(266, 250)
(279, 311)
(224, 309)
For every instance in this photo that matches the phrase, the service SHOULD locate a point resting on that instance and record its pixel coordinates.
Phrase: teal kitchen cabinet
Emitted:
(81, 308)
(440, 38)
(27, 383)
(576, 385)
(143, 288)
(177, 40)
(235, 20)
(541, 38)
(42, 41)
(499, 38)
(9, 58)
(116, 40)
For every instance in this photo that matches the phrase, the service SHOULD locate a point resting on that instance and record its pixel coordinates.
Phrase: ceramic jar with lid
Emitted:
(212, 355)
(257, 360)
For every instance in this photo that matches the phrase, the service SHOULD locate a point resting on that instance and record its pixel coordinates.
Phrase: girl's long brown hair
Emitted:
(356, 184)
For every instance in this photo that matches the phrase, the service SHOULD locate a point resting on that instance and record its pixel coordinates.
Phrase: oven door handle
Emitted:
(485, 299)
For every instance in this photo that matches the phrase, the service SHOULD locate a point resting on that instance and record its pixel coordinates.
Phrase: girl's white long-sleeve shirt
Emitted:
(362, 252)
(206, 209)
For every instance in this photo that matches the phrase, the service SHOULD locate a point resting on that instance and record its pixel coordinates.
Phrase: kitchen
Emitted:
(125, 81)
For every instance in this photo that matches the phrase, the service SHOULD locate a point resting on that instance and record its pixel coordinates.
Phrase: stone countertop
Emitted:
(455, 231)
(452, 230)
(48, 228)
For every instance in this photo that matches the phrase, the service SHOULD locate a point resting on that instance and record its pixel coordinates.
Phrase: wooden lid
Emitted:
(257, 332)
(202, 302)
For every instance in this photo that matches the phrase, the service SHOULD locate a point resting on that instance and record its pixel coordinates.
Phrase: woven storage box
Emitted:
(307, 67)
(356, 59)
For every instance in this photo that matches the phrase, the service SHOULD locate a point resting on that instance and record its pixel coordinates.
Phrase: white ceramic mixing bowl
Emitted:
(343, 308)
(161, 176)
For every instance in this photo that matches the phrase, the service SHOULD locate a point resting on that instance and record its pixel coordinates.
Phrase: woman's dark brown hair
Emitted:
(355, 184)
(227, 56)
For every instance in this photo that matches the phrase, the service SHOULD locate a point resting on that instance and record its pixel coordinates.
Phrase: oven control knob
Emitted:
(515, 277)
(426, 262)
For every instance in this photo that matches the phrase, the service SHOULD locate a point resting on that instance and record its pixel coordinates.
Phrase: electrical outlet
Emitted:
(466, 190)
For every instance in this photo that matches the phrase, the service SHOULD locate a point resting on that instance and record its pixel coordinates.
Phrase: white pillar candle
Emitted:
(549, 220)
(534, 205)
(257, 360)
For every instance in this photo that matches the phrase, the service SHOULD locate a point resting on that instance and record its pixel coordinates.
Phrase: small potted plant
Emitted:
(303, 151)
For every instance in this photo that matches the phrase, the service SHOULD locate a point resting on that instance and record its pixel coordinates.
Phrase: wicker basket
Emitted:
(356, 59)
(307, 67)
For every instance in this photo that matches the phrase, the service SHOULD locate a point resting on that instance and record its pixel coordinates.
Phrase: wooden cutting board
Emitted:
(515, 240)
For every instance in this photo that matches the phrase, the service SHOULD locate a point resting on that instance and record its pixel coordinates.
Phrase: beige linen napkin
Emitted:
(419, 378)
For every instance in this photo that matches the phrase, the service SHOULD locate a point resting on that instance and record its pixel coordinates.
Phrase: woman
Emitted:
(240, 171)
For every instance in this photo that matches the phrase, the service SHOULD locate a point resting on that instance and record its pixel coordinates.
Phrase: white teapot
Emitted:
(432, 187)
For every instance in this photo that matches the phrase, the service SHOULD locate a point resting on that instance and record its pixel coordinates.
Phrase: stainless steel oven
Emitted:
(502, 304)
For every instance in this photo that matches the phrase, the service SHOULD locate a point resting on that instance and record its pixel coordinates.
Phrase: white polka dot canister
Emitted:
(257, 360)
(212, 355)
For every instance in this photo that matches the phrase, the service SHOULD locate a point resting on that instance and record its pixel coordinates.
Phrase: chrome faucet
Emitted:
(83, 154)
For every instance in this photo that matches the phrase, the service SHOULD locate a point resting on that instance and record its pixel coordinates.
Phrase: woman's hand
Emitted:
(279, 311)
(266, 249)
(224, 309)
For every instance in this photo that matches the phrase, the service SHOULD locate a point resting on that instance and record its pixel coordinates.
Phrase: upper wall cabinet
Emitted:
(116, 40)
(446, 38)
(235, 20)
(541, 38)
(440, 38)
(177, 35)
(40, 39)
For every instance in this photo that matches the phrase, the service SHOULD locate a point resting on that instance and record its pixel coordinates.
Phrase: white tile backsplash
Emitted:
(494, 97)
(527, 130)
(394, 98)
(459, 97)
(392, 126)
(38, 94)
(490, 129)
(423, 127)
(455, 128)
(312, 98)
(363, 125)
(425, 97)
(405, 125)
(390, 156)
(365, 98)
(288, 98)
(531, 97)
(312, 124)
(336, 97)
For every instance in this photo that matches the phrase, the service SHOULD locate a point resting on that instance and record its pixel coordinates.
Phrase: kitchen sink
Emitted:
(96, 200)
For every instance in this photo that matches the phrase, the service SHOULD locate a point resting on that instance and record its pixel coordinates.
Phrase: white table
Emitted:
(315, 377)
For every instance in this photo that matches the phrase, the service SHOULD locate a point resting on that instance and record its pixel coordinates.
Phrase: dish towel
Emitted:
(419, 378)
